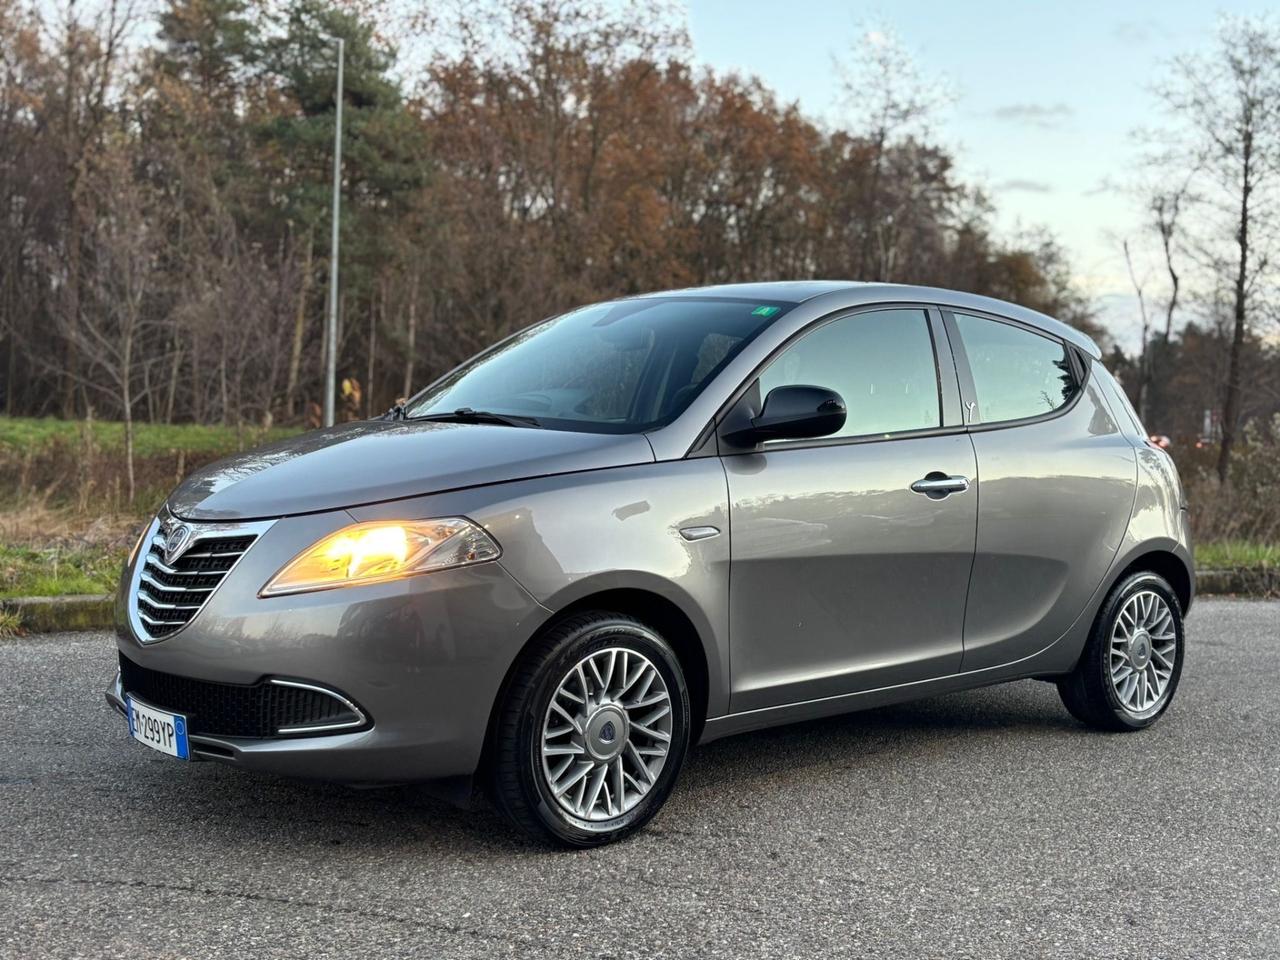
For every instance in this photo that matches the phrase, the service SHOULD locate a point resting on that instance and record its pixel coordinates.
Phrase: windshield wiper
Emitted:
(468, 415)
(397, 411)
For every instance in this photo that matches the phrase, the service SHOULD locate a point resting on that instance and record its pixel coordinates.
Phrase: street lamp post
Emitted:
(331, 321)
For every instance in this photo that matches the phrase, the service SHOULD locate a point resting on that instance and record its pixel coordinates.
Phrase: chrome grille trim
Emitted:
(147, 579)
(360, 717)
(158, 609)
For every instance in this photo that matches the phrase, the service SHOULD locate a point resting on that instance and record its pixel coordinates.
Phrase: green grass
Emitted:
(58, 571)
(20, 434)
(1236, 553)
(10, 624)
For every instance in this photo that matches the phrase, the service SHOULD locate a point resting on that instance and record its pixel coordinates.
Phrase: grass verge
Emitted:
(59, 570)
(1230, 554)
(40, 434)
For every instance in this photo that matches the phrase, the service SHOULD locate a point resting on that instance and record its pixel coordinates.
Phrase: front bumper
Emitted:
(424, 657)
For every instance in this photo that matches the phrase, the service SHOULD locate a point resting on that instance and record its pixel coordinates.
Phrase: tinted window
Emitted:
(611, 368)
(1135, 429)
(880, 363)
(1016, 373)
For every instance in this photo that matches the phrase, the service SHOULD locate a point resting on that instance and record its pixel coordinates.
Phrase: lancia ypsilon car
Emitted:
(649, 523)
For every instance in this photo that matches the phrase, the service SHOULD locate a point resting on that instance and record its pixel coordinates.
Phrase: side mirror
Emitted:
(792, 413)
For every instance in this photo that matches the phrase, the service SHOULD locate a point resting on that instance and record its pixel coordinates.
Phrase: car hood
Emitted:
(375, 460)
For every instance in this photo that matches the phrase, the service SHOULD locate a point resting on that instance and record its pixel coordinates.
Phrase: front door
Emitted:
(843, 577)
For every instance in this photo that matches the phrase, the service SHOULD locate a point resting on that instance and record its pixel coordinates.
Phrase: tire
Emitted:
(1140, 605)
(535, 777)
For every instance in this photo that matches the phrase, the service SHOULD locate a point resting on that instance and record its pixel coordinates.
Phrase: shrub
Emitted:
(1246, 509)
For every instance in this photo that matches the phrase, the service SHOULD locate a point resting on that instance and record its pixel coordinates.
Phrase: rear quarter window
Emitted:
(1130, 425)
(1017, 374)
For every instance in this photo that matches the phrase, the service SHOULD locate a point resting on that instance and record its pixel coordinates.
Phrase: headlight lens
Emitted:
(377, 551)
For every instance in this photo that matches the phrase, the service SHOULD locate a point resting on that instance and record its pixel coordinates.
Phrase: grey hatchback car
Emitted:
(658, 521)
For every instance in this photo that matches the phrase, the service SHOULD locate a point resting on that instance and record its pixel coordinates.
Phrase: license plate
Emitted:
(166, 732)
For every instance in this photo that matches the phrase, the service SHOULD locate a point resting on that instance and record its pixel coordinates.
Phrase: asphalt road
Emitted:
(985, 824)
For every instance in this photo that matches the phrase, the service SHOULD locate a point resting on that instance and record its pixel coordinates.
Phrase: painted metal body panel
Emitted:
(375, 460)
(1055, 499)
(843, 578)
(565, 538)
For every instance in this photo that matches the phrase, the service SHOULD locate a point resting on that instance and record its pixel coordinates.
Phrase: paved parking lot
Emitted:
(985, 824)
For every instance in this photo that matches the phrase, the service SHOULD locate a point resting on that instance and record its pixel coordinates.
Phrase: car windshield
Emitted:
(619, 367)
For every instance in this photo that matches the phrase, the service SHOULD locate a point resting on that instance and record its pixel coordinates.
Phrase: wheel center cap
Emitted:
(606, 732)
(1140, 649)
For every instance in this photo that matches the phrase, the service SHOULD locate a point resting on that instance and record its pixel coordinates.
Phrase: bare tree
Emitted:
(1144, 360)
(1165, 208)
(1227, 109)
(113, 329)
(889, 102)
(90, 50)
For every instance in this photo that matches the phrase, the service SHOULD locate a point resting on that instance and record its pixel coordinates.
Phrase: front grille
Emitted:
(167, 597)
(260, 710)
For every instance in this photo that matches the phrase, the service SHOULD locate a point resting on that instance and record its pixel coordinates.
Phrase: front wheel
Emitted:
(592, 731)
(1132, 661)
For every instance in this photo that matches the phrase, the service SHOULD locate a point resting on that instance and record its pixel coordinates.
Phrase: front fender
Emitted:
(567, 537)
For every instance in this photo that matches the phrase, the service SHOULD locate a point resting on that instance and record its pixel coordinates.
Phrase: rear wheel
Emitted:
(592, 732)
(1132, 663)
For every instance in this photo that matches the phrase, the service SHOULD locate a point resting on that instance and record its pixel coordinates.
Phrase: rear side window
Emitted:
(1016, 373)
(1126, 408)
(881, 363)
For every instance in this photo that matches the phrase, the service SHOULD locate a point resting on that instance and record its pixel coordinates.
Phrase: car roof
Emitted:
(841, 294)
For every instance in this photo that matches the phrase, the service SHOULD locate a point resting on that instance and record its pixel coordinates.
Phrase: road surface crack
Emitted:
(363, 913)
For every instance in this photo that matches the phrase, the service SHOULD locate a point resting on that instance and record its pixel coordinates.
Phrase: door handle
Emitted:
(937, 485)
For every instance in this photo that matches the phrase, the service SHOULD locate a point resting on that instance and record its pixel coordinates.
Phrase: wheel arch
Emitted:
(1161, 560)
(655, 610)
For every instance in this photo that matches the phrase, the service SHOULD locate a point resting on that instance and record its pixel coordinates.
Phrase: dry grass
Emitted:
(10, 624)
(36, 523)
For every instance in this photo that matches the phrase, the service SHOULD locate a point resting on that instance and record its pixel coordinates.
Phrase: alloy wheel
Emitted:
(606, 734)
(1143, 650)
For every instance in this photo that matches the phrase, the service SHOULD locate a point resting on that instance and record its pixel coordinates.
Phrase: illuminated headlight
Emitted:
(378, 551)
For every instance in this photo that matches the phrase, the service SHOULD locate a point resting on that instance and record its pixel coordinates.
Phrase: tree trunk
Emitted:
(1231, 404)
(126, 397)
(71, 295)
(12, 408)
(173, 385)
(1174, 283)
(870, 229)
(222, 379)
(299, 330)
(1144, 359)
(373, 345)
(411, 338)
(148, 393)
(198, 390)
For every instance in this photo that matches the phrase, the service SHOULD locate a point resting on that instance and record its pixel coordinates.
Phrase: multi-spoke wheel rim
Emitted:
(1144, 646)
(606, 734)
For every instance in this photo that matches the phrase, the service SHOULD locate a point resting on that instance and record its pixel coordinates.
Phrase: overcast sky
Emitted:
(1048, 96)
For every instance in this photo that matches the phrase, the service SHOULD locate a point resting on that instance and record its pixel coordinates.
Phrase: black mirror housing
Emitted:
(792, 413)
